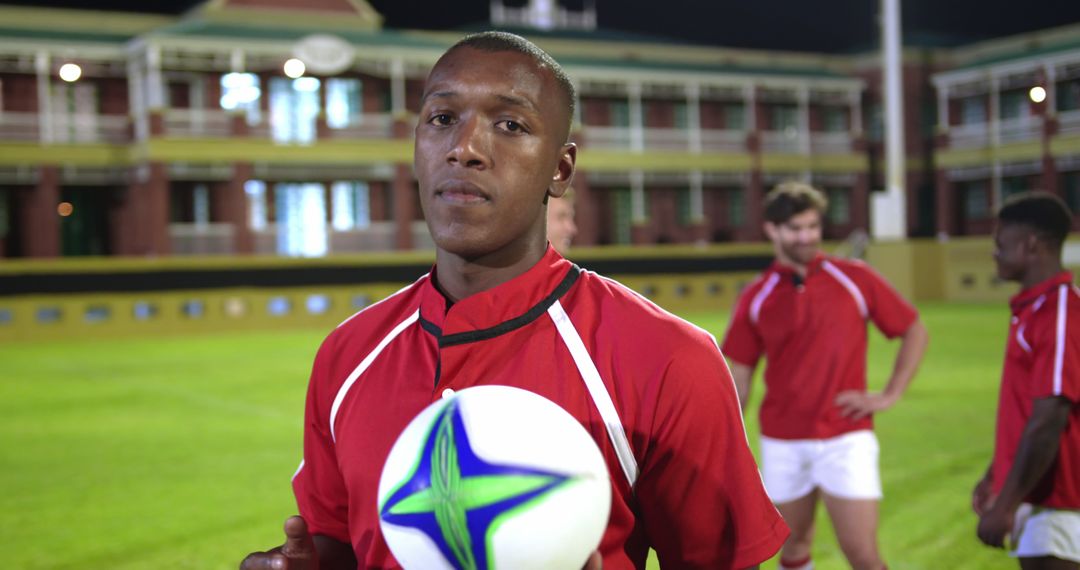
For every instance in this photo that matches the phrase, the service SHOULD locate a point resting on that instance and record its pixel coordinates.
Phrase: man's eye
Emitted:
(513, 126)
(441, 119)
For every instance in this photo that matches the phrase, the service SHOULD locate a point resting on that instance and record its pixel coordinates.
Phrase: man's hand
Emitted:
(994, 526)
(982, 498)
(298, 552)
(857, 405)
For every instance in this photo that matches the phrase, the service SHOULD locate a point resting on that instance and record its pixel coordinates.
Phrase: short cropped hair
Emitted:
(504, 41)
(791, 198)
(1042, 212)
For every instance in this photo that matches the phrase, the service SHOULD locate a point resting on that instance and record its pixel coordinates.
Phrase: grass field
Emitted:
(177, 452)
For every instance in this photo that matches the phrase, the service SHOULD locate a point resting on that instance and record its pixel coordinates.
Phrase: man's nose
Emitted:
(470, 145)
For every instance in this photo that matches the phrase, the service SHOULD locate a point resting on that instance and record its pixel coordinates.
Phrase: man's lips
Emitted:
(461, 192)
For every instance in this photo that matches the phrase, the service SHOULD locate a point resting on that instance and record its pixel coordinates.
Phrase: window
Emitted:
(301, 219)
(1014, 185)
(344, 103)
(1068, 95)
(682, 206)
(736, 207)
(1070, 185)
(294, 105)
(681, 121)
(5, 215)
(621, 210)
(973, 110)
(241, 91)
(976, 198)
(1015, 104)
(875, 122)
(783, 117)
(201, 195)
(620, 113)
(350, 203)
(839, 211)
(735, 116)
(834, 119)
(256, 195)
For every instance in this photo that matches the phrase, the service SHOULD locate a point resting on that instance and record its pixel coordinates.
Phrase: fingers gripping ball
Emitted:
(494, 477)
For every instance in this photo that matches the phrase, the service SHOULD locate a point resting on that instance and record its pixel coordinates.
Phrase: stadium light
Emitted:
(294, 68)
(1037, 94)
(70, 72)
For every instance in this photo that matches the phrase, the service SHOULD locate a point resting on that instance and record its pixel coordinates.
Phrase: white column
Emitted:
(637, 120)
(750, 108)
(42, 65)
(697, 201)
(995, 111)
(155, 86)
(236, 61)
(1051, 90)
(889, 209)
(995, 186)
(943, 108)
(855, 100)
(693, 116)
(802, 95)
(638, 215)
(137, 97)
(397, 87)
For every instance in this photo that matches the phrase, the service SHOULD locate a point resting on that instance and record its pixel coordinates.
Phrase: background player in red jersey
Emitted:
(1032, 486)
(807, 314)
(501, 307)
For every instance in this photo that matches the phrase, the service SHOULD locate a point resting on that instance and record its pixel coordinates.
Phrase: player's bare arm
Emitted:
(302, 551)
(857, 405)
(742, 375)
(1036, 453)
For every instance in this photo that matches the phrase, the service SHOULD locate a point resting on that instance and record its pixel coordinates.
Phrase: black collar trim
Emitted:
(515, 323)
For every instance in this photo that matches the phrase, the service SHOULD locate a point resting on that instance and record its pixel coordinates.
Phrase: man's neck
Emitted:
(1041, 271)
(459, 277)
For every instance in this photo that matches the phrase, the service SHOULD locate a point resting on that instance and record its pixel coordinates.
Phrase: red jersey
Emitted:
(652, 389)
(1042, 360)
(812, 332)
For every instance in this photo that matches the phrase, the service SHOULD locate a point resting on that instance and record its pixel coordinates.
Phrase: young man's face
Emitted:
(1012, 247)
(798, 239)
(561, 228)
(490, 143)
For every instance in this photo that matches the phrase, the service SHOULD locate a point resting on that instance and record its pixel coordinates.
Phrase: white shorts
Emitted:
(1041, 531)
(845, 466)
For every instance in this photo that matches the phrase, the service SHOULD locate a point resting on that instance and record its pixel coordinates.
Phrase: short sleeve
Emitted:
(702, 499)
(742, 343)
(318, 485)
(890, 312)
(1056, 348)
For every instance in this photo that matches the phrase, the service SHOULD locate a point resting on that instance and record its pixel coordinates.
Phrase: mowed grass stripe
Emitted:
(176, 452)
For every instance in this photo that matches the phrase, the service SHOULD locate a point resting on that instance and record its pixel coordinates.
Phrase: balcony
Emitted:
(787, 141)
(366, 126)
(830, 143)
(621, 138)
(972, 135)
(1020, 129)
(198, 123)
(1069, 122)
(64, 129)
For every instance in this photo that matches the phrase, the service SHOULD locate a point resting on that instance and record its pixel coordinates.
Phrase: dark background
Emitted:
(835, 26)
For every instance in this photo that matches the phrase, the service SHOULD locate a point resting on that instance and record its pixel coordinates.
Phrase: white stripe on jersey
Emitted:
(759, 299)
(1059, 342)
(600, 396)
(849, 285)
(364, 364)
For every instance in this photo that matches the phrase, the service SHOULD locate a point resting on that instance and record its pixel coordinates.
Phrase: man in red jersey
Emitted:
(807, 314)
(1032, 487)
(503, 307)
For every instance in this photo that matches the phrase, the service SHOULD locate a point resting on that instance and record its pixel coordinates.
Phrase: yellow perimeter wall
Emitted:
(959, 270)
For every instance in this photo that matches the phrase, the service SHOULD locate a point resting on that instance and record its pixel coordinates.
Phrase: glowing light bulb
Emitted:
(295, 68)
(1037, 94)
(70, 72)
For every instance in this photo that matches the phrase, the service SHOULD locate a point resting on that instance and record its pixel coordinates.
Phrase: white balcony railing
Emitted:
(723, 140)
(972, 135)
(607, 137)
(64, 129)
(366, 126)
(214, 123)
(1069, 122)
(830, 143)
(788, 141)
(1020, 129)
(201, 239)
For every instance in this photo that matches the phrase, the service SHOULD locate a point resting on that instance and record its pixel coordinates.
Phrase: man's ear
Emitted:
(564, 171)
(770, 230)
